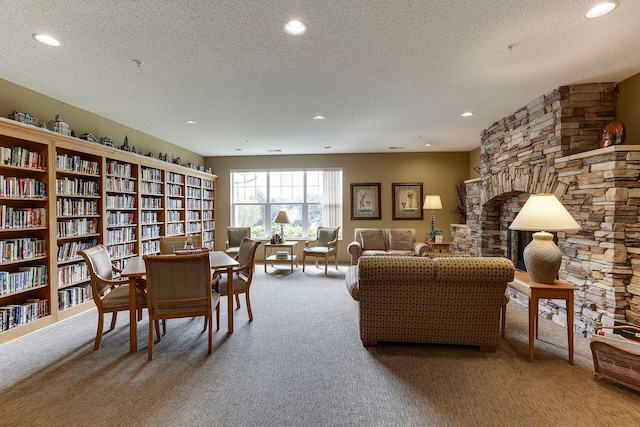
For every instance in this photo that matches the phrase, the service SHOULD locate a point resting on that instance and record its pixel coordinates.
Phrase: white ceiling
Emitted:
(383, 73)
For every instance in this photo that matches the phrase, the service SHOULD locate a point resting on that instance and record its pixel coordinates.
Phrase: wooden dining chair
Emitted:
(324, 246)
(242, 274)
(180, 286)
(110, 293)
(234, 238)
(169, 244)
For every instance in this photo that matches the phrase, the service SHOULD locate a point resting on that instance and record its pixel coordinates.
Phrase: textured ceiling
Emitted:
(383, 73)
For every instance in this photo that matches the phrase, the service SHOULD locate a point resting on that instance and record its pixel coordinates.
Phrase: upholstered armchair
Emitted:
(323, 246)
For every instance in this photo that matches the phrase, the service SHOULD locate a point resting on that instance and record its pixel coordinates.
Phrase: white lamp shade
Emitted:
(432, 201)
(282, 218)
(544, 212)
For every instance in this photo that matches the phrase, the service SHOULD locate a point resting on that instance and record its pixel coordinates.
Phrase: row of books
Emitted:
(116, 183)
(77, 227)
(76, 187)
(120, 218)
(11, 217)
(72, 273)
(121, 235)
(24, 248)
(18, 156)
(150, 174)
(120, 169)
(25, 278)
(75, 295)
(69, 250)
(150, 231)
(18, 314)
(282, 254)
(75, 207)
(65, 162)
(121, 202)
(151, 202)
(22, 187)
(150, 187)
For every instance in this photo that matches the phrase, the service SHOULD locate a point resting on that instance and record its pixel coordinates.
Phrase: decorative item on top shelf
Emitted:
(59, 126)
(106, 141)
(612, 134)
(176, 160)
(125, 145)
(542, 213)
(276, 239)
(23, 117)
(89, 137)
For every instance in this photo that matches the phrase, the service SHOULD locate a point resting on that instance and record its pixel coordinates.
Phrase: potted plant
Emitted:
(431, 235)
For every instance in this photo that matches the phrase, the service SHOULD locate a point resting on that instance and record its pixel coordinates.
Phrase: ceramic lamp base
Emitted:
(542, 258)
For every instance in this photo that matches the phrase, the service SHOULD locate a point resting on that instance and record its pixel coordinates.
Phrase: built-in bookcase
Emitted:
(59, 195)
(78, 212)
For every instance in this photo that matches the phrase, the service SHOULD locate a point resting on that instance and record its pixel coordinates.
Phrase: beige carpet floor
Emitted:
(300, 363)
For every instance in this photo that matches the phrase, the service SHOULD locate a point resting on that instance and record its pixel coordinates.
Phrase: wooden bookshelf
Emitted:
(60, 194)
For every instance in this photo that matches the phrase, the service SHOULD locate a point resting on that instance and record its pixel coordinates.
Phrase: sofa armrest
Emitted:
(421, 248)
(355, 249)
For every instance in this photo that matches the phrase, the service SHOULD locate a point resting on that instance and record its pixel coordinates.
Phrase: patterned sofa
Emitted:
(454, 300)
(385, 241)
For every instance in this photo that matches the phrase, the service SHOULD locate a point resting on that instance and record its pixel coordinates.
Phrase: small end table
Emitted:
(292, 249)
(559, 290)
(439, 247)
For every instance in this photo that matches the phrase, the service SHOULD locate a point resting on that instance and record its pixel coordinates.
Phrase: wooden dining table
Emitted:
(135, 269)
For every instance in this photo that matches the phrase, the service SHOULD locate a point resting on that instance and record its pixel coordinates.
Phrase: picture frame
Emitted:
(365, 201)
(407, 200)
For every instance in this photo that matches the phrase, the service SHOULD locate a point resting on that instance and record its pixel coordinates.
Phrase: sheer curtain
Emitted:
(332, 198)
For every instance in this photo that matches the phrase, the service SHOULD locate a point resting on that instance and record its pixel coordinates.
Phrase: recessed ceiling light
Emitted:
(396, 148)
(427, 145)
(190, 122)
(327, 147)
(274, 151)
(46, 39)
(601, 9)
(467, 114)
(318, 118)
(295, 27)
(238, 149)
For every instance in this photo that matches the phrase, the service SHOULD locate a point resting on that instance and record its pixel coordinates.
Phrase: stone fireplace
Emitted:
(550, 146)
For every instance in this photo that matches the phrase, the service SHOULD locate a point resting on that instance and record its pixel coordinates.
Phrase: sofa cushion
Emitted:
(400, 240)
(372, 240)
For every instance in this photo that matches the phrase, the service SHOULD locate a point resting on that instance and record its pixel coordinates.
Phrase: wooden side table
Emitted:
(291, 247)
(535, 291)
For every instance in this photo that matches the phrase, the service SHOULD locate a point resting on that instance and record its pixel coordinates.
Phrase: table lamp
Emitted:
(542, 213)
(433, 202)
(282, 218)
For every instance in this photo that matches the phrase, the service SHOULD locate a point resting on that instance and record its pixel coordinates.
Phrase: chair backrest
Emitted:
(100, 268)
(178, 280)
(172, 243)
(247, 258)
(327, 234)
(236, 234)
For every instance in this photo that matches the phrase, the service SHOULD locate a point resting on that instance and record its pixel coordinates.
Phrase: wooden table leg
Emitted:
(533, 321)
(133, 316)
(230, 298)
(570, 325)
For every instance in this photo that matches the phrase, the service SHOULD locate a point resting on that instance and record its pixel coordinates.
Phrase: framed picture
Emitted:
(365, 201)
(407, 200)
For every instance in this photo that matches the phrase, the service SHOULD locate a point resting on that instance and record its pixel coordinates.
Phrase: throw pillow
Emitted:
(372, 240)
(400, 240)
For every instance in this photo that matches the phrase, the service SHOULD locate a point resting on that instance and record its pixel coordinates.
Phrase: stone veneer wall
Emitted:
(550, 146)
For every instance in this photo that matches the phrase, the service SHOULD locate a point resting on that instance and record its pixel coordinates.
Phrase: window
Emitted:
(311, 198)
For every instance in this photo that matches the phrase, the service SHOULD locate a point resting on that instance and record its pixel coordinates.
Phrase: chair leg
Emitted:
(209, 319)
(303, 260)
(114, 316)
(157, 328)
(238, 300)
(335, 257)
(96, 344)
(139, 314)
(218, 317)
(151, 323)
(326, 261)
(164, 326)
(248, 305)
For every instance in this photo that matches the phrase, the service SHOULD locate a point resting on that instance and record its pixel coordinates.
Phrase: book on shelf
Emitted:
(282, 254)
